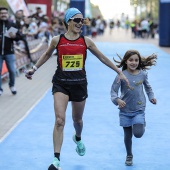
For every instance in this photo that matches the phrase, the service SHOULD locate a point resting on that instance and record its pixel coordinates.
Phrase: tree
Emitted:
(3, 3)
(147, 8)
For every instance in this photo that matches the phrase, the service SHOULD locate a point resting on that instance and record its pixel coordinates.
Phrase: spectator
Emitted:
(19, 19)
(55, 26)
(33, 27)
(61, 29)
(43, 30)
(134, 28)
(7, 49)
(88, 28)
(98, 21)
(111, 26)
(93, 28)
(127, 23)
(118, 24)
(145, 28)
(138, 30)
(102, 26)
(38, 15)
(20, 22)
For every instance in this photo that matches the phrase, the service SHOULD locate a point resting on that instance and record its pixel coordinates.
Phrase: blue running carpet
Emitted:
(29, 145)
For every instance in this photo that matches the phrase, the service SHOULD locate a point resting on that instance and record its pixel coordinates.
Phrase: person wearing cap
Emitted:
(69, 80)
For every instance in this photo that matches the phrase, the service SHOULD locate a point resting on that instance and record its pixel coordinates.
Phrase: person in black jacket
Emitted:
(19, 21)
(7, 48)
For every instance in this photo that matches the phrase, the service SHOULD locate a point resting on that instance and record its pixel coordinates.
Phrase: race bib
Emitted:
(72, 62)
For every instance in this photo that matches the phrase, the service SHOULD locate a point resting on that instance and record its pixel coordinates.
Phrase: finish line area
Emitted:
(29, 145)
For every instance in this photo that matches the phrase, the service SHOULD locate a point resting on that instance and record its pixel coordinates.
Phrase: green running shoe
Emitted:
(80, 149)
(55, 165)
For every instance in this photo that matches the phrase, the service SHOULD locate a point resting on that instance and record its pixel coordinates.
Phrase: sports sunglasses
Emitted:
(77, 20)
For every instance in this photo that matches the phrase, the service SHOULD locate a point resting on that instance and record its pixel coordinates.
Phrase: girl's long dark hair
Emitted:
(144, 62)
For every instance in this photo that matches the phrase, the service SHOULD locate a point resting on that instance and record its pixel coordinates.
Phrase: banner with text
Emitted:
(16, 5)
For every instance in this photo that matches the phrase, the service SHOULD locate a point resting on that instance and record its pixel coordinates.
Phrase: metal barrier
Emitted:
(37, 48)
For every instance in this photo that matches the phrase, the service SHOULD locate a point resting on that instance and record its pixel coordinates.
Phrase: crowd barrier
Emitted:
(37, 48)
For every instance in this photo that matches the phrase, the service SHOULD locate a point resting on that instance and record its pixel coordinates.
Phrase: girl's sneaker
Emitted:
(55, 165)
(129, 160)
(80, 149)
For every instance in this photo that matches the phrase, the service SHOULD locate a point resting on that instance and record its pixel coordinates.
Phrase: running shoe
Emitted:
(80, 149)
(129, 160)
(55, 165)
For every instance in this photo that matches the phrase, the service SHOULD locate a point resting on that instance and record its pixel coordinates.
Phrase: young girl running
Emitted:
(132, 101)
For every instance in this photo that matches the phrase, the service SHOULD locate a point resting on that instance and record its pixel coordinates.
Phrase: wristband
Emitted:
(34, 68)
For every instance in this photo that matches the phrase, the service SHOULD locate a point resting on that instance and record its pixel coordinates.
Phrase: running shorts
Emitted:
(76, 92)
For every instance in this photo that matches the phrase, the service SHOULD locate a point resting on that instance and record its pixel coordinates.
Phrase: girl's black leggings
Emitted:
(137, 130)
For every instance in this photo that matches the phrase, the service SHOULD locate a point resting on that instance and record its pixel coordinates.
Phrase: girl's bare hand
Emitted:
(121, 103)
(153, 101)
